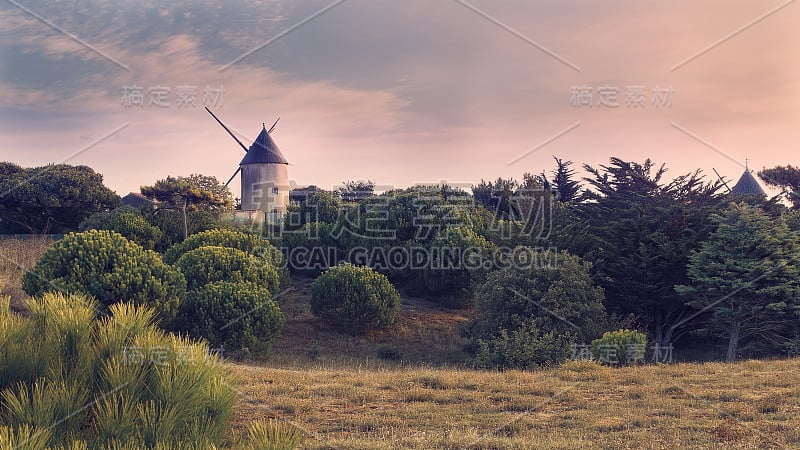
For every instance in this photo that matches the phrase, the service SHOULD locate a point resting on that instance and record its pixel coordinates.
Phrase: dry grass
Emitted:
(17, 257)
(753, 404)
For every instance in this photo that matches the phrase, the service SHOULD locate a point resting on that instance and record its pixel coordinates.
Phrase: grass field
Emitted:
(752, 404)
(404, 389)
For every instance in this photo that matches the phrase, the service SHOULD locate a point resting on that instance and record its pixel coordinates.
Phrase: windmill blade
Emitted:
(233, 176)
(229, 132)
(721, 179)
(273, 126)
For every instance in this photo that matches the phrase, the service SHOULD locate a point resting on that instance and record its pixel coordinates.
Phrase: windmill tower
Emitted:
(265, 178)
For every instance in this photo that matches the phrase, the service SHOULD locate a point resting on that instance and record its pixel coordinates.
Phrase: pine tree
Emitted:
(747, 275)
(566, 187)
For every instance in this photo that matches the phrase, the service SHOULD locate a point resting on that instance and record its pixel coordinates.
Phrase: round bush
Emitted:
(620, 348)
(109, 267)
(205, 265)
(246, 242)
(127, 222)
(233, 316)
(354, 298)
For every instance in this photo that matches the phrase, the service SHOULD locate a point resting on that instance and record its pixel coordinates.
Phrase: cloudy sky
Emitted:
(399, 92)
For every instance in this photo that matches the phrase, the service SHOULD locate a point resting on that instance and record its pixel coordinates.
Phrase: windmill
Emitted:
(265, 179)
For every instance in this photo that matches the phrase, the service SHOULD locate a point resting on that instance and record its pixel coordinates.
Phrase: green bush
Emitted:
(458, 256)
(75, 381)
(523, 348)
(110, 268)
(313, 248)
(127, 222)
(621, 347)
(354, 298)
(543, 294)
(246, 242)
(171, 226)
(233, 316)
(205, 265)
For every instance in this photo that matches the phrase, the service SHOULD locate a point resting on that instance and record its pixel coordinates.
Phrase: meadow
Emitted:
(404, 388)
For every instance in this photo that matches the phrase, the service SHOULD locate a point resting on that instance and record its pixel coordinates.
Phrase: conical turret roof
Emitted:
(747, 184)
(264, 151)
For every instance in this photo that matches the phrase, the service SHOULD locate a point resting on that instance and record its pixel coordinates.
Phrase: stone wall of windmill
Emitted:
(265, 187)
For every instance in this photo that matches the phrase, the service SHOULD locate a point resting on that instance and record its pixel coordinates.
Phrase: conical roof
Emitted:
(747, 184)
(264, 151)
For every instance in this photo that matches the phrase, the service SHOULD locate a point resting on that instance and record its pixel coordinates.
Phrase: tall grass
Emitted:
(115, 382)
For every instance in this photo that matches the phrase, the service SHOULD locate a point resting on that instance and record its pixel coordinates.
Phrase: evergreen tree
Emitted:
(566, 187)
(788, 178)
(747, 275)
(638, 232)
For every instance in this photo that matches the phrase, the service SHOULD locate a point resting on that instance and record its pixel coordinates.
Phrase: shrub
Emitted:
(458, 256)
(245, 242)
(171, 226)
(205, 265)
(523, 348)
(233, 316)
(110, 268)
(133, 226)
(520, 306)
(354, 298)
(117, 382)
(127, 222)
(621, 347)
(313, 248)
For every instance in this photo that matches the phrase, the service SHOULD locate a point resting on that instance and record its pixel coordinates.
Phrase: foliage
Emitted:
(638, 231)
(497, 196)
(273, 435)
(126, 221)
(170, 223)
(522, 348)
(552, 291)
(459, 256)
(620, 347)
(567, 189)
(747, 275)
(205, 265)
(223, 199)
(231, 315)
(354, 299)
(313, 248)
(187, 194)
(246, 242)
(50, 199)
(354, 191)
(110, 268)
(195, 192)
(786, 177)
(118, 381)
(317, 206)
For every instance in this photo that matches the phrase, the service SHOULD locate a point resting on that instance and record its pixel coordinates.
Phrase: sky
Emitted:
(399, 92)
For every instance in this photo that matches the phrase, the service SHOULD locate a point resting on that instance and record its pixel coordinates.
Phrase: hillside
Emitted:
(426, 334)
(406, 388)
(337, 389)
